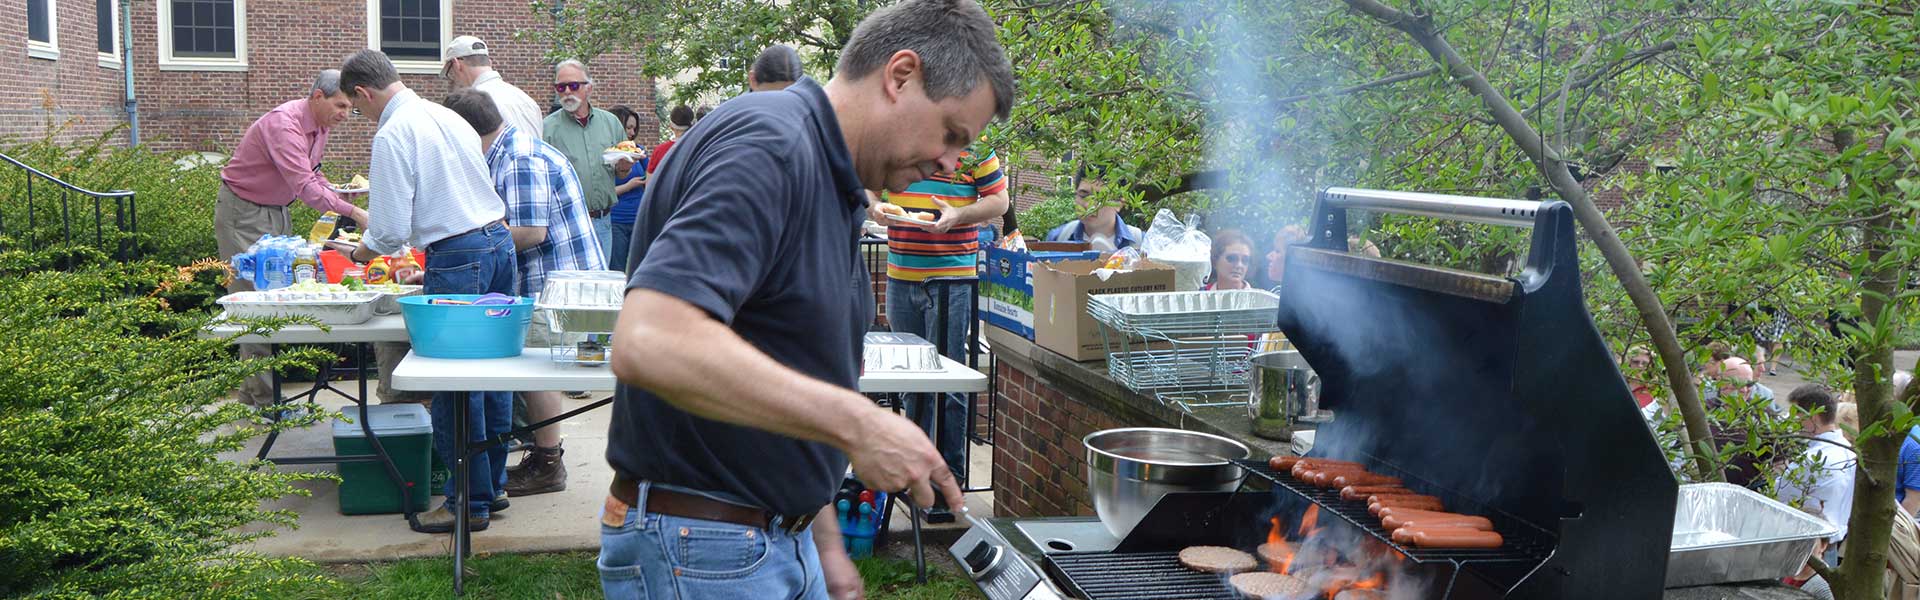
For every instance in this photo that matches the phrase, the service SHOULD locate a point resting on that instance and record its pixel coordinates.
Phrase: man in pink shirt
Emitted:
(278, 161)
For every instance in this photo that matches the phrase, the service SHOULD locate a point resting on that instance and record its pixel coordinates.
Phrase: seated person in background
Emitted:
(1232, 257)
(1827, 483)
(1100, 226)
(1731, 374)
(1639, 371)
(1907, 483)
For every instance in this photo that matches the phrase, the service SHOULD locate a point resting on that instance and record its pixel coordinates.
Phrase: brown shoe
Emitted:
(440, 520)
(541, 472)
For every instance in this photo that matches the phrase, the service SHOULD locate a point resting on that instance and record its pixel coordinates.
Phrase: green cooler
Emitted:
(406, 431)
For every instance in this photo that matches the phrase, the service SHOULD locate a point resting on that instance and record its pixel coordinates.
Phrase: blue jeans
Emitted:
(912, 308)
(653, 556)
(476, 262)
(622, 238)
(603, 229)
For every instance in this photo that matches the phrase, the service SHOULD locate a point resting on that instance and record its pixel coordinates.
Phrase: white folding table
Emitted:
(381, 328)
(534, 370)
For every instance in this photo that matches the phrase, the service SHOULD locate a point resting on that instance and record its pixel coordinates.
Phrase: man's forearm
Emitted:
(679, 352)
(986, 209)
(526, 237)
(1912, 502)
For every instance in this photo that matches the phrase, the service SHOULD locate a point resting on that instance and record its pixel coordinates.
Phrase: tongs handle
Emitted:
(1491, 211)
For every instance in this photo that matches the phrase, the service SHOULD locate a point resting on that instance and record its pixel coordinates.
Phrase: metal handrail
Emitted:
(125, 212)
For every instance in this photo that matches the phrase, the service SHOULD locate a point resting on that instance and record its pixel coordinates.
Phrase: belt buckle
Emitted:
(796, 526)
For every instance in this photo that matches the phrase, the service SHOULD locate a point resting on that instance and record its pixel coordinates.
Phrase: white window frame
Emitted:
(163, 11)
(50, 49)
(112, 61)
(414, 67)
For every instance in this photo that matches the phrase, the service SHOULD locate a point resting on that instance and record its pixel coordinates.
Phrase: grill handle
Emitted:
(1491, 211)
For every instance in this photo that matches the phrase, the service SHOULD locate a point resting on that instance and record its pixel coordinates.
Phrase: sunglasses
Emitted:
(568, 86)
(1238, 259)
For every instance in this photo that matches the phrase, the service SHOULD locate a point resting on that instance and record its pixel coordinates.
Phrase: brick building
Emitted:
(203, 70)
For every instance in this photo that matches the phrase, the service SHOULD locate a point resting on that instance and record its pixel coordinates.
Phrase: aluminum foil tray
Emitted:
(583, 301)
(1725, 533)
(329, 308)
(899, 352)
(1208, 312)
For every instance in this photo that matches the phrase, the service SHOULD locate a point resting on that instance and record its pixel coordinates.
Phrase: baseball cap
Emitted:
(465, 46)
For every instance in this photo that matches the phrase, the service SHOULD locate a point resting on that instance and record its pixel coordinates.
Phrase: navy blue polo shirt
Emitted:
(756, 221)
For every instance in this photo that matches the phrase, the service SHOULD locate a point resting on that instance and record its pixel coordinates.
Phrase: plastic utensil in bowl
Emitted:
(455, 326)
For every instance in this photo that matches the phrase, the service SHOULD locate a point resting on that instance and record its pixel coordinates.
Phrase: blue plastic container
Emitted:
(463, 330)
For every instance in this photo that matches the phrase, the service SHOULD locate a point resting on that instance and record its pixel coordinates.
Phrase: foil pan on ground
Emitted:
(900, 352)
(1725, 533)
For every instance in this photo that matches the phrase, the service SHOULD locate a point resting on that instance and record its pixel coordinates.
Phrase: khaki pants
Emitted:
(237, 224)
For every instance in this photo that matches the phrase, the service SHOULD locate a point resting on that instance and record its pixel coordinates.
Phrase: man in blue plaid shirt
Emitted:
(547, 215)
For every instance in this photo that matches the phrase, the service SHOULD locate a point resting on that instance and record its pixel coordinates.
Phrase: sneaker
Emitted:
(1772, 373)
(440, 520)
(580, 395)
(500, 502)
(541, 472)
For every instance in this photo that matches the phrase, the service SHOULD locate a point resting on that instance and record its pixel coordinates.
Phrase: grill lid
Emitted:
(1498, 391)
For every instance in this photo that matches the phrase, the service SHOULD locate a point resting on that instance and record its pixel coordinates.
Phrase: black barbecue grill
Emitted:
(1495, 394)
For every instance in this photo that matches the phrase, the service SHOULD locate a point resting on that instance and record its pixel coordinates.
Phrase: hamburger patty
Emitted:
(1216, 559)
(1261, 584)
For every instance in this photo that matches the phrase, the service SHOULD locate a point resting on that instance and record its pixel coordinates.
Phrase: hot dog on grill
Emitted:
(1361, 492)
(1282, 462)
(1405, 512)
(1387, 498)
(1404, 535)
(1304, 466)
(1456, 538)
(1399, 522)
(1374, 508)
(1364, 478)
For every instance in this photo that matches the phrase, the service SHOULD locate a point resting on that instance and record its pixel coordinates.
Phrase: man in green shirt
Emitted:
(583, 133)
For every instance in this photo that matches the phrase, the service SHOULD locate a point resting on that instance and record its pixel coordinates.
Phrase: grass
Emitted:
(566, 576)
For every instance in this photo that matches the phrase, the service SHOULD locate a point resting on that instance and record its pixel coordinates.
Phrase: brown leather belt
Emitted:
(691, 506)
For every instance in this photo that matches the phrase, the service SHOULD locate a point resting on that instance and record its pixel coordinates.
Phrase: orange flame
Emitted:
(1310, 520)
(1280, 541)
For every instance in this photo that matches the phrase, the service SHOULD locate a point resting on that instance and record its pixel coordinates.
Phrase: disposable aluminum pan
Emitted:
(900, 352)
(329, 308)
(1209, 312)
(583, 301)
(1725, 533)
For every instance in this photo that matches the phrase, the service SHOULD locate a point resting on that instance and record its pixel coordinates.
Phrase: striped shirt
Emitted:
(915, 254)
(541, 191)
(426, 179)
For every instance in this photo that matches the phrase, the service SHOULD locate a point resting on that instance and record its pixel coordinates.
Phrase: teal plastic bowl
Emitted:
(464, 330)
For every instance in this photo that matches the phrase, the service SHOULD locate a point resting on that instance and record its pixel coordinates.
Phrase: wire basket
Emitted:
(1187, 349)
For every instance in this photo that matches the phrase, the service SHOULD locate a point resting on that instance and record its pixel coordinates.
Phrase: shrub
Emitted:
(111, 480)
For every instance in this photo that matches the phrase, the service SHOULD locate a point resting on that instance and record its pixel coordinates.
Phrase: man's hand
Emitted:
(360, 217)
(843, 580)
(891, 453)
(949, 218)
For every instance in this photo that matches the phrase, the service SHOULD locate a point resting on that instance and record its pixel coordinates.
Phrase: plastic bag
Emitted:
(1181, 245)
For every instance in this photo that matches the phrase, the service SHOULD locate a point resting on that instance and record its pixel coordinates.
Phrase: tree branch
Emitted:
(1381, 82)
(1603, 235)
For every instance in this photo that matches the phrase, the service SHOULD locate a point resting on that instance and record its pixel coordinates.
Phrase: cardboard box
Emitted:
(1060, 293)
(1006, 281)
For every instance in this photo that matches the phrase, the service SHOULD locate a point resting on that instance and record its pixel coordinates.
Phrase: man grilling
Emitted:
(738, 346)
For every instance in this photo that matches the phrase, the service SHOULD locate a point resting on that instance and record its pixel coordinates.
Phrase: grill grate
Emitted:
(1525, 543)
(1141, 576)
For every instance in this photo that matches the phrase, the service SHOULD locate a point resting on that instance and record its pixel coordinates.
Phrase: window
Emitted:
(203, 35)
(106, 30)
(43, 30)
(413, 33)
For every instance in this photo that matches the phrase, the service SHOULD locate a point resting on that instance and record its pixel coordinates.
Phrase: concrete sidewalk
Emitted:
(561, 521)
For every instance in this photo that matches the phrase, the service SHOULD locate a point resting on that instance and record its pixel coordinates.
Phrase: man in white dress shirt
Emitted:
(469, 64)
(430, 188)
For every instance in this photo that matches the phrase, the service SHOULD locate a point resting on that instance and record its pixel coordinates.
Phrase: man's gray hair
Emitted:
(955, 41)
(476, 60)
(575, 64)
(369, 69)
(328, 83)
